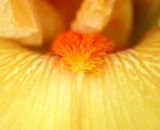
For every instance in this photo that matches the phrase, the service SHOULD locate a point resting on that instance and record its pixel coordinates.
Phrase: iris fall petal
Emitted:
(37, 93)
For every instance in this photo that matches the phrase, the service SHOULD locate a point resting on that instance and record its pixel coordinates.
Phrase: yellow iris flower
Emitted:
(37, 93)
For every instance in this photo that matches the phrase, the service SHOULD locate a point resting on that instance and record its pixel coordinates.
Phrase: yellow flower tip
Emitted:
(82, 52)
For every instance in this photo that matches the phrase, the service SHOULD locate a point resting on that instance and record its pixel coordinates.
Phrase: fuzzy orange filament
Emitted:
(82, 52)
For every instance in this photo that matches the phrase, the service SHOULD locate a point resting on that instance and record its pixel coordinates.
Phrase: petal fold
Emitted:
(93, 15)
(19, 21)
(111, 17)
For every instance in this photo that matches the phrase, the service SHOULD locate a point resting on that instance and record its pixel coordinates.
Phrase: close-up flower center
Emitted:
(79, 64)
(82, 52)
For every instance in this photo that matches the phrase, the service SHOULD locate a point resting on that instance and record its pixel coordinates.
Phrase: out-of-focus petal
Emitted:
(37, 93)
(146, 14)
(120, 25)
(51, 20)
(113, 17)
(93, 15)
(67, 9)
(18, 21)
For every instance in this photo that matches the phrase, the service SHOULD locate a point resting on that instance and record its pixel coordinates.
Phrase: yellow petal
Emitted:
(37, 93)
(18, 21)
